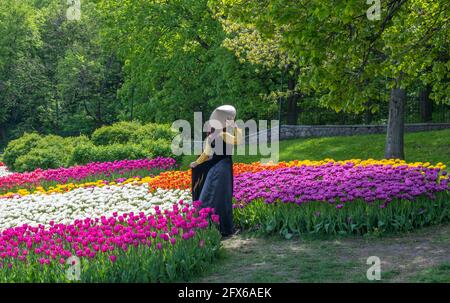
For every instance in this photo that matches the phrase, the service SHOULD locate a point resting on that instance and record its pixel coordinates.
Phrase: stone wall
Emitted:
(307, 131)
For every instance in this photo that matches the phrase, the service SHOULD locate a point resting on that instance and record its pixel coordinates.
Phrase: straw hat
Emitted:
(220, 116)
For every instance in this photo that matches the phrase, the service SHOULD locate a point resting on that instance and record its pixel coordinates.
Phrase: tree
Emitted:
(38, 69)
(21, 88)
(84, 74)
(175, 62)
(426, 105)
(249, 45)
(343, 54)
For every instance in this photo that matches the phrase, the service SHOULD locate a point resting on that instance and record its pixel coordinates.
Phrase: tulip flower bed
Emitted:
(46, 217)
(342, 199)
(80, 203)
(169, 245)
(42, 228)
(92, 172)
(333, 197)
(3, 170)
(338, 184)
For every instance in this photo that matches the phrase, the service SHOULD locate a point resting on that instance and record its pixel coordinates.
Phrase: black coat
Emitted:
(212, 184)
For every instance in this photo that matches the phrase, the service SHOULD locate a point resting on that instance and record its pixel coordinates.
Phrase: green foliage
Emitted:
(19, 38)
(127, 140)
(55, 76)
(175, 62)
(121, 132)
(117, 63)
(160, 147)
(50, 152)
(345, 57)
(45, 158)
(153, 131)
(436, 274)
(20, 147)
(76, 141)
(111, 143)
(82, 153)
(118, 151)
(120, 141)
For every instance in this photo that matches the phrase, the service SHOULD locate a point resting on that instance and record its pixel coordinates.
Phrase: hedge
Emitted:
(123, 140)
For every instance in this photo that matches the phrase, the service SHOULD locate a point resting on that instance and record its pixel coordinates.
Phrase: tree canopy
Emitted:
(161, 60)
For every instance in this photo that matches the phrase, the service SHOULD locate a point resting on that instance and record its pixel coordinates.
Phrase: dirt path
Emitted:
(403, 257)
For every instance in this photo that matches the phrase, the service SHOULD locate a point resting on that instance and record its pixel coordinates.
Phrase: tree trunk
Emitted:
(292, 114)
(426, 106)
(3, 138)
(396, 125)
(368, 116)
(57, 114)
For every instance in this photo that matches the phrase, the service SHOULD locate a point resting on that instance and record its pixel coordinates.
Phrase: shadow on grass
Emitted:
(407, 257)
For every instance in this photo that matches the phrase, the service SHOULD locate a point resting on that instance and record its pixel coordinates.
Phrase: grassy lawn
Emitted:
(433, 146)
(435, 274)
(422, 256)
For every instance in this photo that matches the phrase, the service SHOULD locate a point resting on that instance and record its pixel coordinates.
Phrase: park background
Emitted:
(102, 80)
(158, 61)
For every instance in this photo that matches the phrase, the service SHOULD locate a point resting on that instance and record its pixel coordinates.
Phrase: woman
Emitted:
(212, 172)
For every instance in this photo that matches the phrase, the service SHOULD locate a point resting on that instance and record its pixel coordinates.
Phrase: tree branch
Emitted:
(202, 42)
(393, 7)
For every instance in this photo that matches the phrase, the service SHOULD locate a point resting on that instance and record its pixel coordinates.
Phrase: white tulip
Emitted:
(85, 202)
(4, 171)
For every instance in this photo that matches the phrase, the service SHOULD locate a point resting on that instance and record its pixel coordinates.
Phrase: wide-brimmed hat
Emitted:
(220, 116)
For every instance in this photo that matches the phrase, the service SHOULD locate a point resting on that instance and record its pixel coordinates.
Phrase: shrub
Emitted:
(20, 147)
(50, 152)
(119, 152)
(82, 153)
(153, 131)
(160, 147)
(120, 141)
(120, 132)
(86, 153)
(77, 141)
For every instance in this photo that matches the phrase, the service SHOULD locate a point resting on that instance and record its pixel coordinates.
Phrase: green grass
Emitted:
(407, 257)
(433, 146)
(265, 260)
(435, 274)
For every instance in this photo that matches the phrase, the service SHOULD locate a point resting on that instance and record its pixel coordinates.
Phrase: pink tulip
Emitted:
(89, 238)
